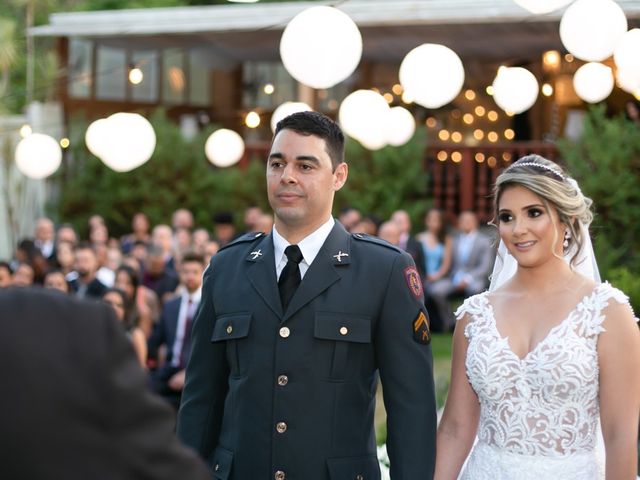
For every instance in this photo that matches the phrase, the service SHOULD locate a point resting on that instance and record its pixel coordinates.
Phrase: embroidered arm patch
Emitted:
(412, 277)
(421, 333)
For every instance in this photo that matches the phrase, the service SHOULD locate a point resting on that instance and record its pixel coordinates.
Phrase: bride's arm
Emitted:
(459, 422)
(619, 362)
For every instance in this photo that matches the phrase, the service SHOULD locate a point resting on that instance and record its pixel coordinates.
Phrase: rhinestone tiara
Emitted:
(539, 165)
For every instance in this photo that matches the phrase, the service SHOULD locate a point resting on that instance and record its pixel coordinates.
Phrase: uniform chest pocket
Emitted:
(342, 339)
(233, 328)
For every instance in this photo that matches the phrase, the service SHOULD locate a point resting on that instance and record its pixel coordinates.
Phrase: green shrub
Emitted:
(629, 283)
(606, 164)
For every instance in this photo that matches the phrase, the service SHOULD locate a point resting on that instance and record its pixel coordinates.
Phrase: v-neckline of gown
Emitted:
(549, 334)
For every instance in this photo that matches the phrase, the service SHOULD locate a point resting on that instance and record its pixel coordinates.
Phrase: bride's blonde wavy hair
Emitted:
(549, 182)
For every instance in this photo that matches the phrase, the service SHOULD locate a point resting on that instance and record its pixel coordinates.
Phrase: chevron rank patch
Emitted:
(412, 277)
(421, 333)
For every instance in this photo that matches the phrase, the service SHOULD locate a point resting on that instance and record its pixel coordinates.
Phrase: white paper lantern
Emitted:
(515, 89)
(224, 148)
(38, 155)
(374, 143)
(363, 115)
(542, 6)
(321, 46)
(432, 75)
(96, 137)
(286, 109)
(131, 141)
(400, 126)
(593, 82)
(628, 81)
(627, 53)
(591, 29)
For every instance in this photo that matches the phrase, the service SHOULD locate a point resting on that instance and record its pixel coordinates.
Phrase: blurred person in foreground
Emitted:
(79, 407)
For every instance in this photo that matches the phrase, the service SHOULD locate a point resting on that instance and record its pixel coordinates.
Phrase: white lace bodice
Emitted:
(545, 404)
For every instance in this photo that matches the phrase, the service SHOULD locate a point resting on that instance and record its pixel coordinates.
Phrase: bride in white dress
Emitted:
(547, 356)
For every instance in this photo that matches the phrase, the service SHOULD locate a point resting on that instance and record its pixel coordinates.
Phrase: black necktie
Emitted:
(290, 276)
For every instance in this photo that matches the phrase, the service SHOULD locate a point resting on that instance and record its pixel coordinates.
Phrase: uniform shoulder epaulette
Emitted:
(375, 240)
(246, 238)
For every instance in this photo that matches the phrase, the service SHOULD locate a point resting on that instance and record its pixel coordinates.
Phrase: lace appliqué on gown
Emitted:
(538, 414)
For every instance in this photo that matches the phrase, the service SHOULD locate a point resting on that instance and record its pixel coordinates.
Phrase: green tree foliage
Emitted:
(606, 164)
(177, 175)
(385, 180)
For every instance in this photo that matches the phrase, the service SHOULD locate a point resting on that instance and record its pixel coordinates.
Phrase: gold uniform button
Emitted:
(229, 329)
(281, 427)
(285, 332)
(283, 380)
(279, 475)
(344, 330)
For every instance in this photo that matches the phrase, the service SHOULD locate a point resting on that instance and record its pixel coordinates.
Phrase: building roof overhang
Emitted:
(484, 31)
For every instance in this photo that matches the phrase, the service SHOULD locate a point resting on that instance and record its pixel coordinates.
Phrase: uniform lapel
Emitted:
(325, 269)
(262, 273)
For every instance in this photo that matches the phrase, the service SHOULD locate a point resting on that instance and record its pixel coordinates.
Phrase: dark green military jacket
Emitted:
(291, 395)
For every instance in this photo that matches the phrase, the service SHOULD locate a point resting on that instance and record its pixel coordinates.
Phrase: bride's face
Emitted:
(531, 234)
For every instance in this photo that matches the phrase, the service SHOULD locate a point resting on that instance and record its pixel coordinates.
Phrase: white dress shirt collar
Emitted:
(309, 246)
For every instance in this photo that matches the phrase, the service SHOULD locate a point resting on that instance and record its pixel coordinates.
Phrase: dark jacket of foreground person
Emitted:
(75, 403)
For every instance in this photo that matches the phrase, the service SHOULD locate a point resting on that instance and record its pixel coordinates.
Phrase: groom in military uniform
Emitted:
(294, 327)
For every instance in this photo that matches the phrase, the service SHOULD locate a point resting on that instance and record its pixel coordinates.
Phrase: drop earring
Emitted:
(567, 238)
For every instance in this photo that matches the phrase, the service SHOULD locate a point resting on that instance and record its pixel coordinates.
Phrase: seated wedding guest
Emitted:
(157, 275)
(251, 217)
(142, 303)
(472, 258)
(173, 330)
(182, 242)
(264, 223)
(79, 407)
(140, 225)
(199, 240)
(116, 298)
(139, 251)
(66, 260)
(368, 225)
(86, 285)
(224, 230)
(182, 218)
(44, 237)
(162, 238)
(27, 252)
(210, 250)
(389, 232)
(54, 278)
(349, 217)
(104, 273)
(66, 233)
(407, 241)
(5, 274)
(99, 235)
(437, 245)
(23, 275)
